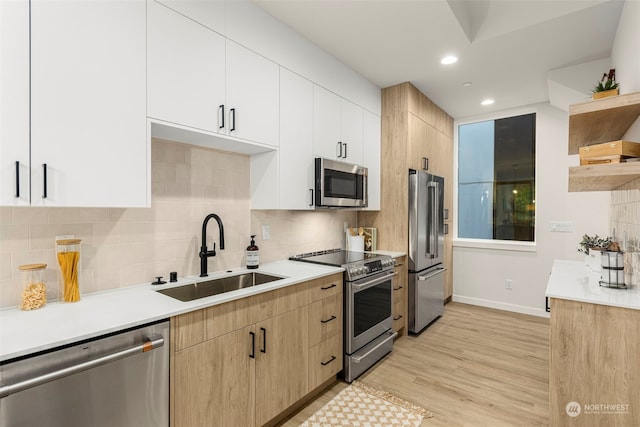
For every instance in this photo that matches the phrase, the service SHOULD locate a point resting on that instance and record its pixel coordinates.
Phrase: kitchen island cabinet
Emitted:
(247, 361)
(595, 341)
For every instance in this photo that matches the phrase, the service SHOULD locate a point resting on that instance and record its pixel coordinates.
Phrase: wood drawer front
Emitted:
(325, 360)
(325, 286)
(187, 330)
(398, 315)
(399, 291)
(325, 318)
(233, 315)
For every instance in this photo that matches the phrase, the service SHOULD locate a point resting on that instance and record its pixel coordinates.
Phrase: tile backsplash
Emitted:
(125, 247)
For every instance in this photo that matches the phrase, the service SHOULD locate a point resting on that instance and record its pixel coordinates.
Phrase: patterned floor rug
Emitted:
(361, 406)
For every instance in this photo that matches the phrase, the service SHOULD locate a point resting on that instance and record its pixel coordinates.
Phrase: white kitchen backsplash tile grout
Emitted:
(125, 247)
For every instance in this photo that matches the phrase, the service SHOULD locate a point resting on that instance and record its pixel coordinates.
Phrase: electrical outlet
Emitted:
(266, 232)
(508, 284)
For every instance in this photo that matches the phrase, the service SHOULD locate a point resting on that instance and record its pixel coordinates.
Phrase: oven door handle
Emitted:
(371, 283)
(150, 344)
(435, 273)
(358, 359)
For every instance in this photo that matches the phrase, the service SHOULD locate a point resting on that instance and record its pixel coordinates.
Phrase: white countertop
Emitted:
(57, 323)
(573, 280)
(390, 253)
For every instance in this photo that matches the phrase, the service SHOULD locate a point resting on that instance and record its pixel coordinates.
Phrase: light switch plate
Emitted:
(266, 232)
(561, 226)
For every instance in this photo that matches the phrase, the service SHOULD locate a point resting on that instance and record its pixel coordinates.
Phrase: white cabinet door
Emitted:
(351, 116)
(14, 103)
(186, 71)
(88, 103)
(296, 141)
(252, 95)
(371, 157)
(326, 123)
(337, 127)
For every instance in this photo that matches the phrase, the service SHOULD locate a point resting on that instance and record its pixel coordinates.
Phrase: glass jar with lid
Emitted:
(34, 289)
(68, 254)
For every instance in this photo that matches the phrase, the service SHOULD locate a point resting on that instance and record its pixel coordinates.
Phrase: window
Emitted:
(496, 179)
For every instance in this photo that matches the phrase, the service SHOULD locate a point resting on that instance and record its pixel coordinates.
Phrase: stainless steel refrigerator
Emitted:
(426, 249)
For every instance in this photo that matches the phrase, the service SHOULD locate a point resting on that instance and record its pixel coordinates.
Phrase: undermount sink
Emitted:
(218, 286)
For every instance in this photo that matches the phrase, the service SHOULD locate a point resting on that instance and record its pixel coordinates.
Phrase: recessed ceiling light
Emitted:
(487, 102)
(447, 60)
(466, 84)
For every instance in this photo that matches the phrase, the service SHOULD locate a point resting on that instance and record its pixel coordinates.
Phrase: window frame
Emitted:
(507, 245)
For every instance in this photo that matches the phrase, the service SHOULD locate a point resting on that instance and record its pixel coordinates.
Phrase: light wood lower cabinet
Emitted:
(281, 363)
(245, 362)
(219, 370)
(400, 295)
(594, 378)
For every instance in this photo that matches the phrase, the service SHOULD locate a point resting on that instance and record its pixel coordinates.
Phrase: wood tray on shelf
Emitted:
(609, 152)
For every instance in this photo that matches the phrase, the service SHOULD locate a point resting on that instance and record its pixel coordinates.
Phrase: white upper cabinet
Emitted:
(211, 14)
(199, 79)
(88, 144)
(371, 157)
(351, 128)
(186, 71)
(252, 96)
(14, 107)
(337, 127)
(296, 142)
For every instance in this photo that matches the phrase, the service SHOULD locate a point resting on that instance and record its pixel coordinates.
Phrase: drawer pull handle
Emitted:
(328, 361)
(329, 319)
(264, 340)
(333, 285)
(398, 318)
(398, 288)
(253, 345)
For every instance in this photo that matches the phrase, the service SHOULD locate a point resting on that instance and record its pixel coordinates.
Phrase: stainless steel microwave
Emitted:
(340, 185)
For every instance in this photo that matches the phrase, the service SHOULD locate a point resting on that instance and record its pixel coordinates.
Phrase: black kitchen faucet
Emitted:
(204, 253)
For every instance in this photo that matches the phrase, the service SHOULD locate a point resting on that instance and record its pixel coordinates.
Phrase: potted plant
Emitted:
(607, 86)
(592, 246)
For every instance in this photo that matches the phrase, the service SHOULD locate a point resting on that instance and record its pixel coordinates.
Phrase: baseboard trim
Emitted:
(540, 312)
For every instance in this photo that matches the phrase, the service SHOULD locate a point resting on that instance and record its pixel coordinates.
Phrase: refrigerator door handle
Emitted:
(432, 214)
(435, 273)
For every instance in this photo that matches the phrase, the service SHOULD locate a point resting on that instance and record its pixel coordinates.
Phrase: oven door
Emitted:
(340, 184)
(368, 309)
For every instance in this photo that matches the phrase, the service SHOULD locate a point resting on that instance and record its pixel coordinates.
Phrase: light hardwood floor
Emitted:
(473, 367)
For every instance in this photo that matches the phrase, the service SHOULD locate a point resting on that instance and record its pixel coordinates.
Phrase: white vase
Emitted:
(595, 261)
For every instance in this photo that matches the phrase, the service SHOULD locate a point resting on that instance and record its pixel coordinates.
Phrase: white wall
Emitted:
(479, 274)
(625, 55)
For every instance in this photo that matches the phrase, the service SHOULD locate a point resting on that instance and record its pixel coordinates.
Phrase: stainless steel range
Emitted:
(368, 284)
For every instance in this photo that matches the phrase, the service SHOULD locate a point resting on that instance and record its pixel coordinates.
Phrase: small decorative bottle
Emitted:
(253, 254)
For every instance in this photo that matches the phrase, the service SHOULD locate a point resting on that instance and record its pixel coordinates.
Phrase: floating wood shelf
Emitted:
(604, 177)
(602, 120)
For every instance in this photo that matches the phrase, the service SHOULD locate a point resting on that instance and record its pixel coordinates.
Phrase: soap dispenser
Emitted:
(253, 254)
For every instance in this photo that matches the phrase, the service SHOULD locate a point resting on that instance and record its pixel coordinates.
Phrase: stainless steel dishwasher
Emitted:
(120, 379)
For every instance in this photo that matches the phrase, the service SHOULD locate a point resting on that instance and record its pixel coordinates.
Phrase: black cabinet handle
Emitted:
(398, 318)
(253, 345)
(333, 285)
(345, 150)
(340, 149)
(17, 178)
(44, 170)
(311, 192)
(232, 114)
(329, 319)
(328, 361)
(398, 288)
(425, 163)
(547, 306)
(221, 107)
(264, 340)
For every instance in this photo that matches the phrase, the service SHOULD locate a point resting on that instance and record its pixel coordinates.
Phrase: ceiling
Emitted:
(506, 48)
